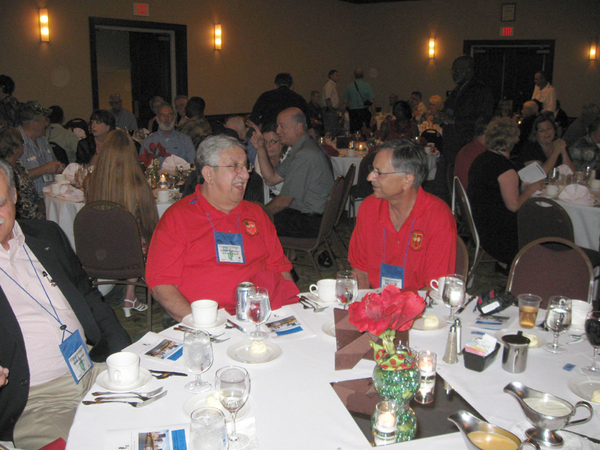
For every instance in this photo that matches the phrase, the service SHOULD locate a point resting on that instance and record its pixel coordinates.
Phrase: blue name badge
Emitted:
(229, 248)
(76, 356)
(390, 274)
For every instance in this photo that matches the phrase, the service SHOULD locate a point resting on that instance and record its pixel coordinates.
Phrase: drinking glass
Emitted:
(208, 430)
(197, 358)
(453, 294)
(259, 310)
(558, 320)
(233, 385)
(592, 331)
(346, 287)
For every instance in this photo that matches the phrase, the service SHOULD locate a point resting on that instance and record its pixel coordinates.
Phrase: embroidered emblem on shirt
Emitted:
(416, 241)
(251, 229)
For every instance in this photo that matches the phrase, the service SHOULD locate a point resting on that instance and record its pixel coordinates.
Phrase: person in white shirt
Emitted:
(544, 92)
(331, 102)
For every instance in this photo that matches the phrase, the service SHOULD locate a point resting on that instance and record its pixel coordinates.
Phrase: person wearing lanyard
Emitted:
(212, 240)
(50, 316)
(403, 235)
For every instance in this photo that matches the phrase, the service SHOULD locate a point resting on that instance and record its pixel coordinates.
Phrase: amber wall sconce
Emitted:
(218, 36)
(431, 48)
(593, 49)
(44, 25)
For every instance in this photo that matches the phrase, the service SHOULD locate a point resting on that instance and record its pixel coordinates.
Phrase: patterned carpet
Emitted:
(485, 279)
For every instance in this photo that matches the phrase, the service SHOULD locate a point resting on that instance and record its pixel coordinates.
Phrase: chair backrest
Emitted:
(255, 189)
(108, 241)
(546, 271)
(464, 209)
(364, 188)
(60, 153)
(431, 135)
(541, 217)
(348, 180)
(331, 209)
(450, 184)
(462, 258)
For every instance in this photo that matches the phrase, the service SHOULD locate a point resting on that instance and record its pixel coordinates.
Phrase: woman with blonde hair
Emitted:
(118, 178)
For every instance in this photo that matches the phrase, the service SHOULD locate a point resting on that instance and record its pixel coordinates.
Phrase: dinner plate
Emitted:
(584, 386)
(143, 380)
(419, 323)
(541, 339)
(188, 321)
(329, 329)
(240, 352)
(199, 401)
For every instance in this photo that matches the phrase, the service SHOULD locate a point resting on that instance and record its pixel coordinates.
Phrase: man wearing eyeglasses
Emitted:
(403, 235)
(167, 141)
(212, 240)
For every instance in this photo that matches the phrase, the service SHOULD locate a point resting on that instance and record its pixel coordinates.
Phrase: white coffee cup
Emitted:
(438, 287)
(579, 310)
(163, 195)
(204, 312)
(60, 178)
(551, 190)
(324, 289)
(595, 184)
(55, 188)
(351, 152)
(123, 368)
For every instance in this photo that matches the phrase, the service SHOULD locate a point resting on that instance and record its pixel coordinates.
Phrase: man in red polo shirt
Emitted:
(212, 240)
(403, 235)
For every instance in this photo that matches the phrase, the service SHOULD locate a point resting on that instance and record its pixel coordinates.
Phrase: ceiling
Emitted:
(365, 2)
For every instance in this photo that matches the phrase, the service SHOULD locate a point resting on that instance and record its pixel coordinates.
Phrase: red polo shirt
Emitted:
(182, 251)
(430, 247)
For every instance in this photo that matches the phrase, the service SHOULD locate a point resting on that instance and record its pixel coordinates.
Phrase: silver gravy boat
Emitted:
(467, 423)
(546, 413)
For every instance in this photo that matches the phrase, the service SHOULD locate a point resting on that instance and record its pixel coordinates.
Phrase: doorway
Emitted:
(508, 67)
(138, 60)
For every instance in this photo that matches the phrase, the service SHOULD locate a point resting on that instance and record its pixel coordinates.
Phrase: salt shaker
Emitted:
(451, 355)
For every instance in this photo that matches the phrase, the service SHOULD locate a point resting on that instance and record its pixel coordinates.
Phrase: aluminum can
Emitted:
(241, 305)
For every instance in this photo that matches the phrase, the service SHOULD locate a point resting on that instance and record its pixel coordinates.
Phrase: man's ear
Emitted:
(207, 174)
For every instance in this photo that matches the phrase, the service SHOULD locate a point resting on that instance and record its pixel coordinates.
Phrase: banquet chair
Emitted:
(363, 188)
(108, 244)
(462, 259)
(546, 271)
(311, 245)
(348, 180)
(432, 136)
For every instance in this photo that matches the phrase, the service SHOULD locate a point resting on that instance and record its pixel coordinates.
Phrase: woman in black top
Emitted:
(102, 122)
(494, 191)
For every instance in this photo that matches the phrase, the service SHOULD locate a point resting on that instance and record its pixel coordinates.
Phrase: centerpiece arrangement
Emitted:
(396, 376)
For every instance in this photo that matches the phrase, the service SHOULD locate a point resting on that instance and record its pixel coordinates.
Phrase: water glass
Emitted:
(233, 386)
(208, 430)
(197, 358)
(558, 320)
(592, 331)
(346, 287)
(454, 294)
(259, 310)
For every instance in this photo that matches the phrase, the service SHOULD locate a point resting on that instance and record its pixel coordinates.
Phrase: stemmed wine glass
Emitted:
(558, 320)
(346, 287)
(259, 310)
(233, 385)
(592, 331)
(453, 294)
(197, 358)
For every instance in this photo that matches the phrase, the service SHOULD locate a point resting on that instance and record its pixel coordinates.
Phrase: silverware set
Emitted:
(119, 397)
(308, 304)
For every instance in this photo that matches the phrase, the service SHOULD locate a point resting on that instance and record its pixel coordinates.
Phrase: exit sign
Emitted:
(506, 31)
(141, 9)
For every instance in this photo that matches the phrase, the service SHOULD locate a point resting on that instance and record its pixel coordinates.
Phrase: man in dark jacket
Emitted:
(271, 103)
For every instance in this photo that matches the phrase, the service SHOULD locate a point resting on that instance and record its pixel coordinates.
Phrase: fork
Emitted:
(139, 394)
(134, 404)
(307, 303)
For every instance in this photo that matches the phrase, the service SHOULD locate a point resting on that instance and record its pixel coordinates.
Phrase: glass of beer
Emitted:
(529, 306)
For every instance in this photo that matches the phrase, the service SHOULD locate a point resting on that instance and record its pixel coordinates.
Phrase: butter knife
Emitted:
(235, 325)
(463, 307)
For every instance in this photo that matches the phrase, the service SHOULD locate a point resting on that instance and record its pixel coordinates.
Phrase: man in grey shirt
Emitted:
(306, 174)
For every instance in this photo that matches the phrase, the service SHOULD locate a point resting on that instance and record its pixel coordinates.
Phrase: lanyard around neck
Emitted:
(407, 243)
(213, 227)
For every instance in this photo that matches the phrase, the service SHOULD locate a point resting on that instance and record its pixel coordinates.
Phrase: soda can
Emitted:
(241, 306)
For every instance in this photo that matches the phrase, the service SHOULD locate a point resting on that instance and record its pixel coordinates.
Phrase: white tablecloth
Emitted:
(63, 212)
(293, 405)
(341, 164)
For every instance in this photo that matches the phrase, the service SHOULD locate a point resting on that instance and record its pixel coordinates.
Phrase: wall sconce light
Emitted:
(593, 49)
(44, 25)
(431, 48)
(218, 36)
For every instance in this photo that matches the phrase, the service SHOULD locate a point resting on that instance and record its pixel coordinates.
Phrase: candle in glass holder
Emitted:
(427, 363)
(384, 423)
(361, 146)
(427, 366)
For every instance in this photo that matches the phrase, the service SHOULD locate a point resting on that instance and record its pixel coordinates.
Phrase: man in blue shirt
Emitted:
(167, 141)
(359, 99)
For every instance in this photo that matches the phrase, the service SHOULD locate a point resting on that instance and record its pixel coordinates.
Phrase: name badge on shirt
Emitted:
(230, 248)
(390, 274)
(48, 178)
(76, 356)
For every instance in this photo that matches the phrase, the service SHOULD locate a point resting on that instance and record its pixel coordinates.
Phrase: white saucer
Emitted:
(240, 352)
(188, 321)
(541, 339)
(143, 380)
(315, 298)
(329, 329)
(419, 323)
(199, 401)
(584, 386)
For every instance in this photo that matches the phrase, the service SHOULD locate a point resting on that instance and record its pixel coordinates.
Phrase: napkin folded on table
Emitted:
(563, 169)
(578, 194)
(352, 345)
(173, 162)
(67, 192)
(358, 396)
(70, 170)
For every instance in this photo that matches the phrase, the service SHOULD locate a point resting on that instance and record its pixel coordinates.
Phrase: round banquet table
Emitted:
(292, 405)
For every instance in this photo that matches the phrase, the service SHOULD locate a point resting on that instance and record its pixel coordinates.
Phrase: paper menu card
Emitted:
(532, 173)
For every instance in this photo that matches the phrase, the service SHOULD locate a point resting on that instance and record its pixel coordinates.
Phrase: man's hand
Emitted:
(257, 138)
(3, 376)
(53, 167)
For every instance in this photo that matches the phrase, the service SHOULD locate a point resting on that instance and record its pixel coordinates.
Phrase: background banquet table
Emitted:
(63, 212)
(586, 223)
(293, 406)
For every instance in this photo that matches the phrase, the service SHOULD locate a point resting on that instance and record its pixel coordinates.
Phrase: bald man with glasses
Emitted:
(403, 235)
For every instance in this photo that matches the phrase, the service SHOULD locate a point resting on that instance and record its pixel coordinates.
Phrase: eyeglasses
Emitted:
(378, 173)
(239, 167)
(271, 142)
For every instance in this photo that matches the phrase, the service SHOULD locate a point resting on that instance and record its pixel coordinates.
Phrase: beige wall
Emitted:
(304, 37)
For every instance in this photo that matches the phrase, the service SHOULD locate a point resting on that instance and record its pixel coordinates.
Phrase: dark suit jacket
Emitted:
(102, 329)
(271, 103)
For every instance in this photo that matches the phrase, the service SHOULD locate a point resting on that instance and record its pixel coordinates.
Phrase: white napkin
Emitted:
(72, 194)
(173, 162)
(70, 170)
(563, 169)
(578, 194)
